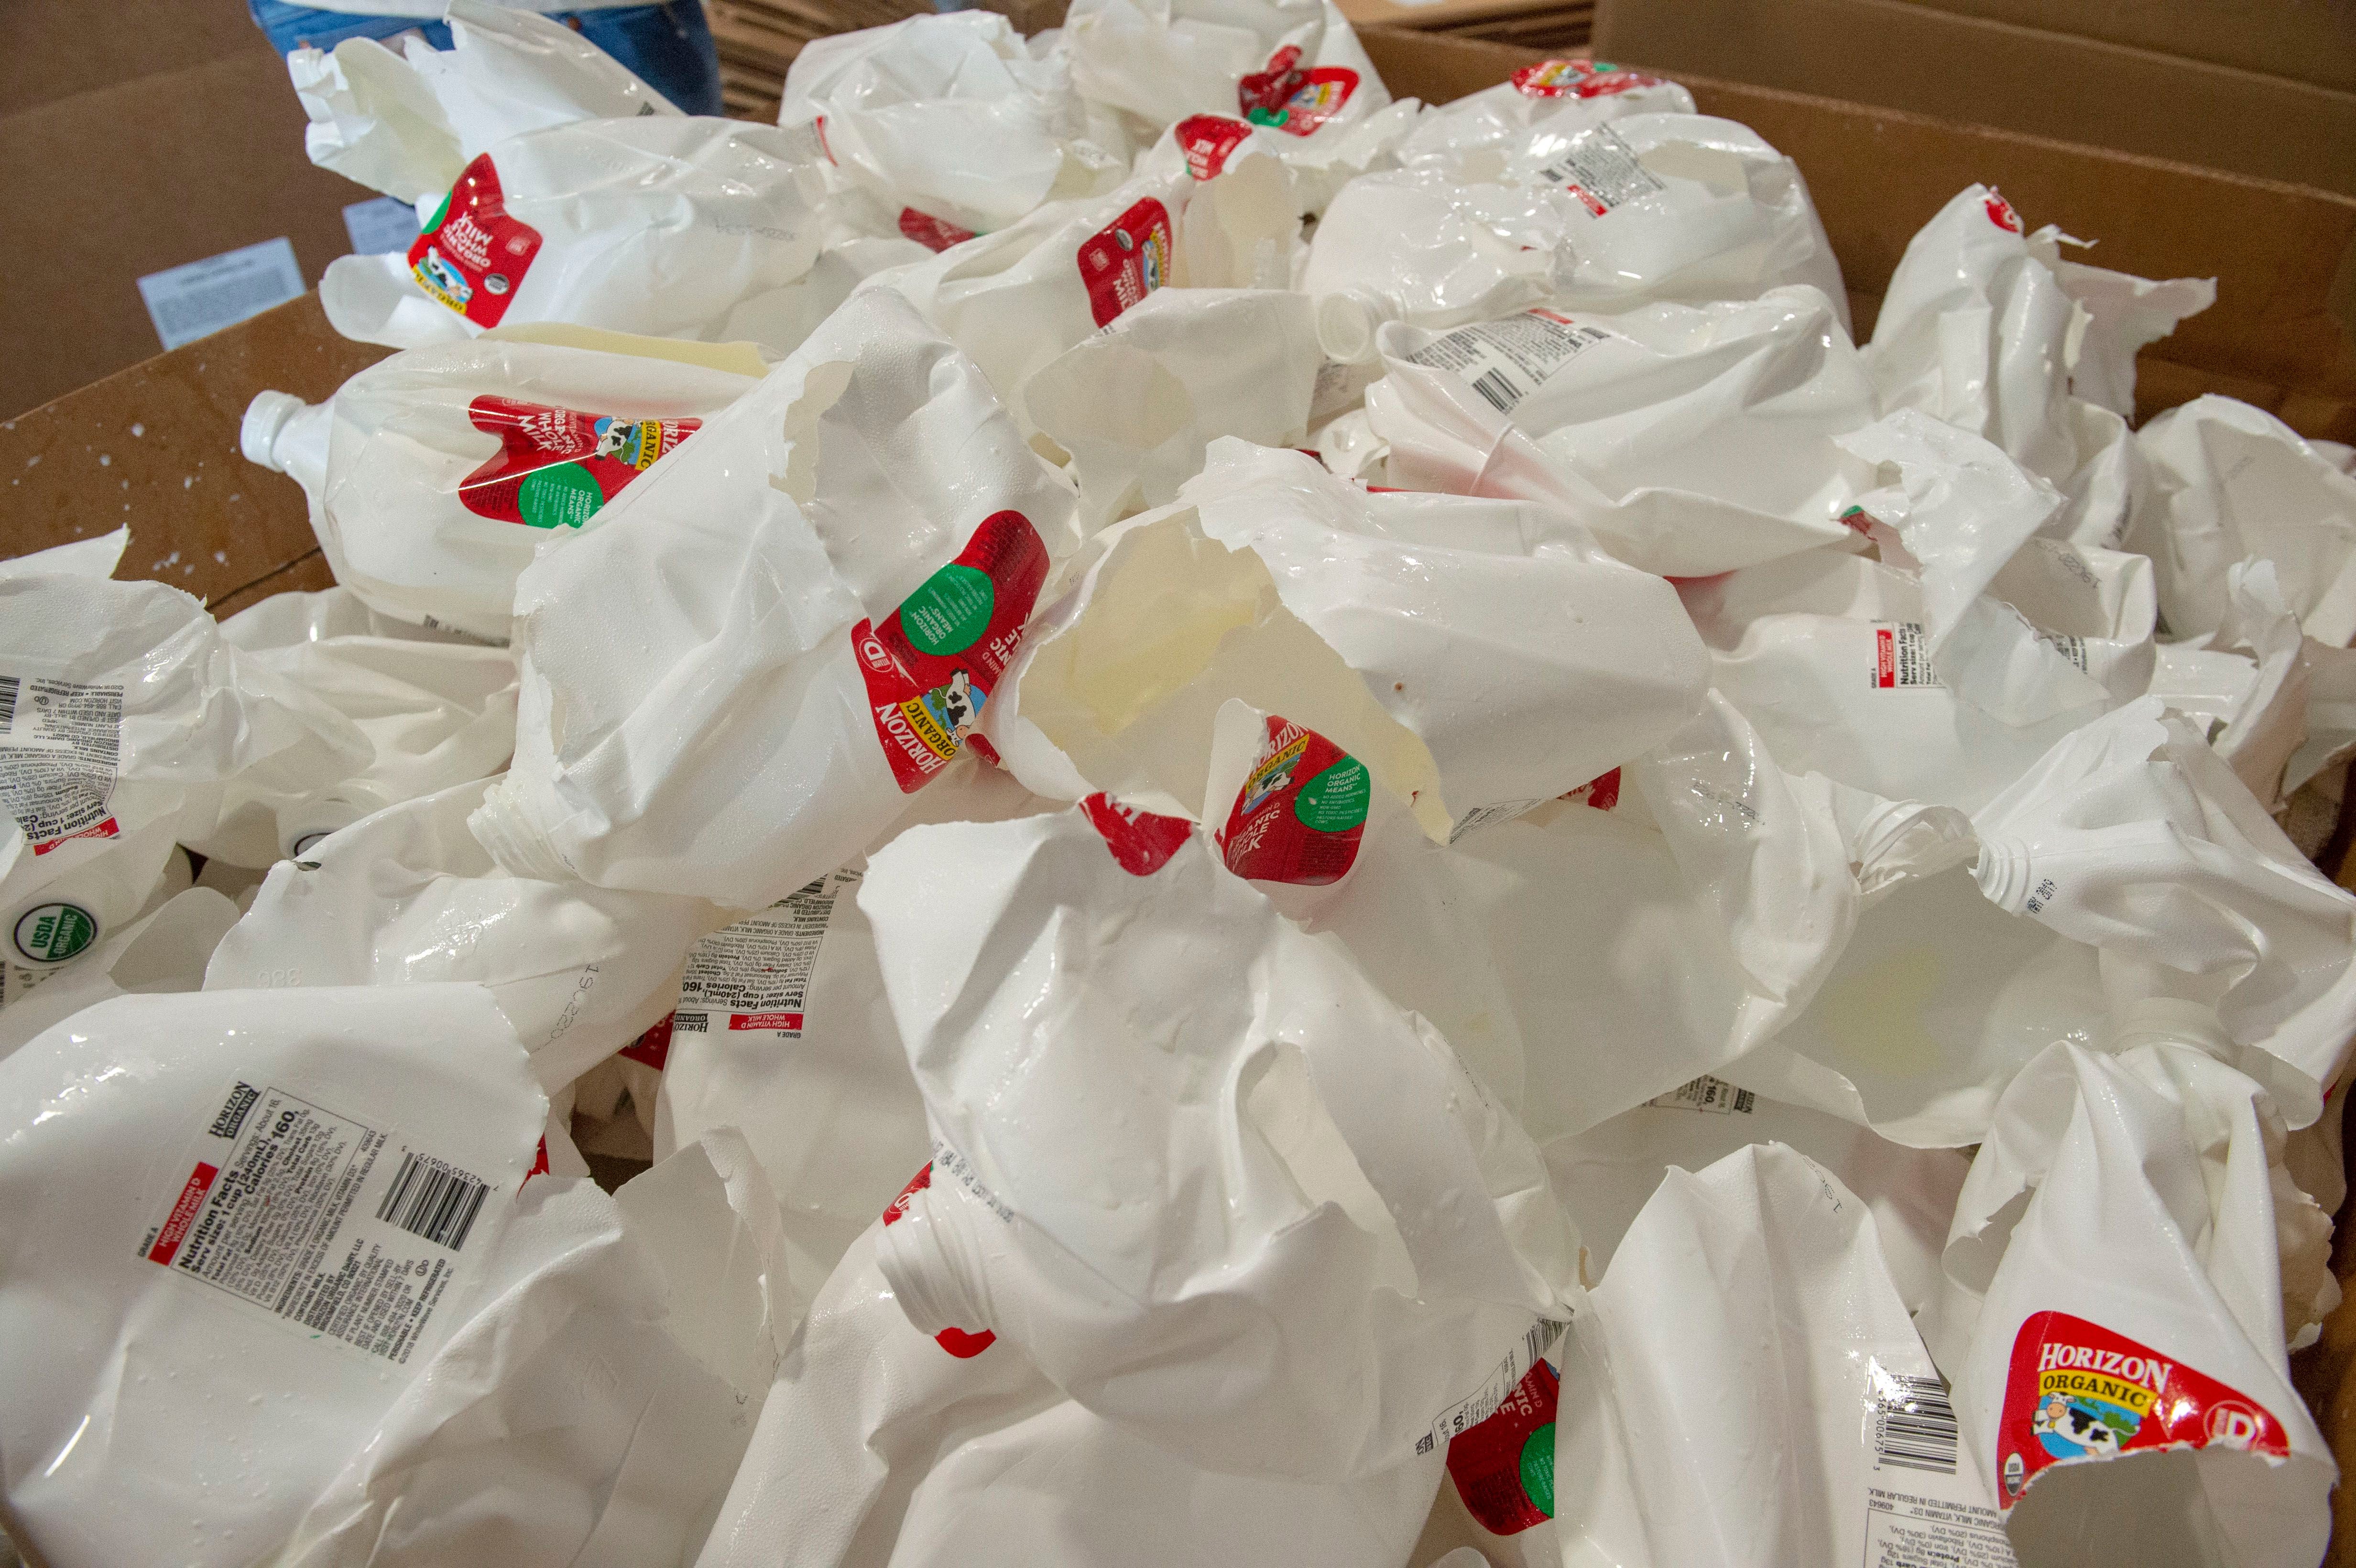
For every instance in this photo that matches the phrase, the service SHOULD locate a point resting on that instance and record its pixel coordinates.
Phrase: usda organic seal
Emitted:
(53, 932)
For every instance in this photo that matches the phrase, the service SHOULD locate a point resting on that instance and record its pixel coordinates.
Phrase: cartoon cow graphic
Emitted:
(956, 706)
(2063, 1425)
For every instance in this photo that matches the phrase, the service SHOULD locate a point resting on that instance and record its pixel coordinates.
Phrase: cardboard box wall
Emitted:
(141, 134)
(2257, 87)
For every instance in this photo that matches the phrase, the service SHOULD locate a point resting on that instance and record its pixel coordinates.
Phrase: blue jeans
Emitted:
(669, 45)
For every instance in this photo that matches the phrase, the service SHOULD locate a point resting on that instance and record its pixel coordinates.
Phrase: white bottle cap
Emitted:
(265, 418)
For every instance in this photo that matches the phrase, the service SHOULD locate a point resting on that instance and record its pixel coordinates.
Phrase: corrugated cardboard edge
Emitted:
(154, 447)
(1983, 70)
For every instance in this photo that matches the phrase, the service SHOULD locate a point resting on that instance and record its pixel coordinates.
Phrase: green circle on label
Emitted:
(53, 932)
(1335, 800)
(950, 611)
(562, 495)
(1537, 1468)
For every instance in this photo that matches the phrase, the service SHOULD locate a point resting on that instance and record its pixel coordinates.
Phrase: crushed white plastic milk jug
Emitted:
(407, 896)
(2129, 1257)
(1654, 206)
(1693, 440)
(407, 123)
(1017, 298)
(435, 474)
(880, 1443)
(438, 710)
(162, 951)
(1470, 653)
(1747, 1388)
(1138, 404)
(2229, 482)
(1563, 96)
(947, 123)
(122, 708)
(821, 590)
(1294, 65)
(660, 224)
(1190, 1171)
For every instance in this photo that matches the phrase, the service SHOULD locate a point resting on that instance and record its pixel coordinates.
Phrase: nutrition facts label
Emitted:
(1505, 360)
(1601, 171)
(59, 742)
(320, 1218)
(755, 975)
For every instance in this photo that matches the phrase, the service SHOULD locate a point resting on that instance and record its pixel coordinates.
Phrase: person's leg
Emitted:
(292, 28)
(669, 46)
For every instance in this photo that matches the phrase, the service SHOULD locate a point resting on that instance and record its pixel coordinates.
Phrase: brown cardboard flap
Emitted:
(1981, 70)
(2281, 255)
(154, 447)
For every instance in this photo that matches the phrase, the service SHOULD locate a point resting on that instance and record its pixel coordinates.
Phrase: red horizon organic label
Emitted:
(1302, 811)
(1127, 260)
(1579, 78)
(1285, 97)
(651, 1049)
(1142, 841)
(558, 467)
(2076, 1391)
(472, 256)
(934, 234)
(930, 666)
(956, 1341)
(1207, 140)
(2000, 213)
(1503, 1466)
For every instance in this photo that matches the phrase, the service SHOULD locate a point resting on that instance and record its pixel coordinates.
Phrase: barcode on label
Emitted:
(429, 1199)
(7, 701)
(1913, 1421)
(1707, 1094)
(1499, 392)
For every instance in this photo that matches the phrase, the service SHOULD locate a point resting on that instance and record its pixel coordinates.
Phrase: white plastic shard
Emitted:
(1748, 1389)
(659, 224)
(822, 589)
(881, 1444)
(1137, 404)
(1692, 440)
(1429, 636)
(2123, 315)
(406, 122)
(2247, 685)
(435, 474)
(947, 123)
(1232, 1200)
(2228, 482)
(2127, 1260)
(2134, 836)
(122, 711)
(407, 897)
